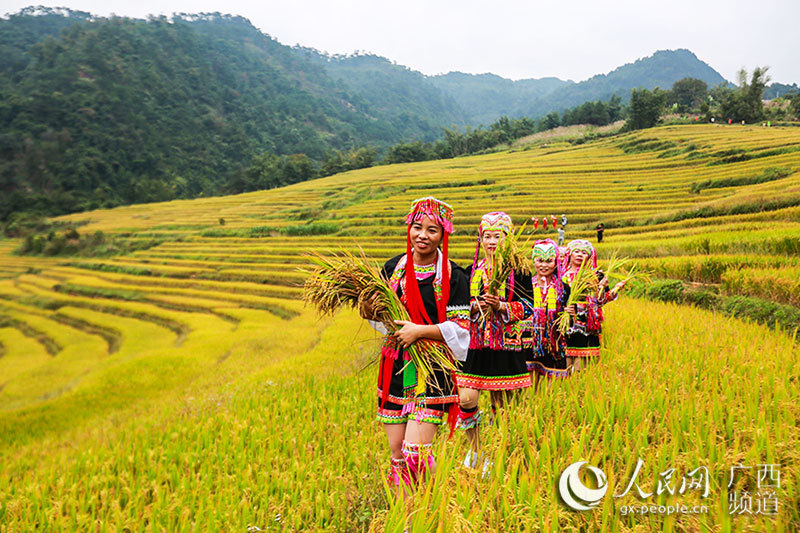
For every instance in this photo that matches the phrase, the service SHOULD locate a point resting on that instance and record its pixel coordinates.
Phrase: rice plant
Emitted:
(217, 402)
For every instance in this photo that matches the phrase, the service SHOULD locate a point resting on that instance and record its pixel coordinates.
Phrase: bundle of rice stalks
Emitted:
(510, 256)
(622, 269)
(343, 279)
(583, 285)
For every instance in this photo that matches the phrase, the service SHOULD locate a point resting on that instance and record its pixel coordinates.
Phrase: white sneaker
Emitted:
(470, 460)
(487, 467)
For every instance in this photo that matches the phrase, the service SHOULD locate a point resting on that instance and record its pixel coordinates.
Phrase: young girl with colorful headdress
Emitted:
(549, 293)
(495, 361)
(583, 336)
(435, 292)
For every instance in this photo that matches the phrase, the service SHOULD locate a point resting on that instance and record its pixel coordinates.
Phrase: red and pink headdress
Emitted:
(442, 214)
(438, 211)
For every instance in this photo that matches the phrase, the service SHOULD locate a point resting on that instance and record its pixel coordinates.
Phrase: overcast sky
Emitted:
(572, 39)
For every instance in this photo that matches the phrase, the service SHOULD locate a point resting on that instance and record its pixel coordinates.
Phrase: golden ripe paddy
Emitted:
(185, 387)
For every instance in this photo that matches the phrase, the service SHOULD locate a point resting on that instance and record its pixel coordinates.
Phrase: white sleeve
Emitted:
(378, 326)
(456, 338)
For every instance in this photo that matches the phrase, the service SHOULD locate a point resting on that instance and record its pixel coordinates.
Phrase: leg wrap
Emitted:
(419, 458)
(468, 418)
(398, 473)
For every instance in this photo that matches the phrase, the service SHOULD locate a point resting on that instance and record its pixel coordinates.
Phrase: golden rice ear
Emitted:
(344, 278)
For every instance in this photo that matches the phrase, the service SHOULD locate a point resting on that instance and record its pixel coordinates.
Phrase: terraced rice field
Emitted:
(186, 387)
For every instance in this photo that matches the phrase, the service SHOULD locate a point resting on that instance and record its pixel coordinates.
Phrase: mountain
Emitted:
(776, 90)
(98, 112)
(28, 27)
(486, 97)
(404, 97)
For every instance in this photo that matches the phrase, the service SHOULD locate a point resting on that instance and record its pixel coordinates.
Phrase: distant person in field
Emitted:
(545, 348)
(600, 228)
(495, 361)
(584, 334)
(561, 236)
(563, 220)
(435, 292)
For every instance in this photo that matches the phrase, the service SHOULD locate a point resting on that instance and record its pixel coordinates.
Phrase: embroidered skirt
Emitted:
(580, 345)
(404, 403)
(487, 369)
(548, 365)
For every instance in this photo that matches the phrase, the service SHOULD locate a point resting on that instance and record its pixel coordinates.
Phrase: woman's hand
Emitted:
(367, 309)
(618, 287)
(409, 333)
(572, 310)
(483, 306)
(475, 308)
(603, 283)
(492, 301)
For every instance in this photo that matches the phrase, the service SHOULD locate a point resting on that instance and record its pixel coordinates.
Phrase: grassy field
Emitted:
(185, 386)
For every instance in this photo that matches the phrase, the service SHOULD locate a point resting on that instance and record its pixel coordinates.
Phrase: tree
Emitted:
(264, 172)
(796, 105)
(363, 157)
(333, 164)
(97, 112)
(408, 153)
(688, 93)
(551, 121)
(337, 161)
(522, 127)
(755, 90)
(503, 129)
(296, 168)
(745, 103)
(614, 106)
(645, 108)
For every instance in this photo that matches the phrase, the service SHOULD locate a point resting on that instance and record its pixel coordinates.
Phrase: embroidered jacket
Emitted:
(442, 386)
(548, 303)
(499, 330)
(429, 279)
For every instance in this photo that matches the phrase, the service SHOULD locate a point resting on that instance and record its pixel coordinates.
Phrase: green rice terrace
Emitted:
(180, 384)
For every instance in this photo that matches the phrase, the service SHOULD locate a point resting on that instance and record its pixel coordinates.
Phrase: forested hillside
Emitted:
(99, 112)
(486, 97)
(103, 112)
(406, 98)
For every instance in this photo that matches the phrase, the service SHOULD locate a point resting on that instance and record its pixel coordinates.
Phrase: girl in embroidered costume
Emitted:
(583, 336)
(495, 361)
(546, 356)
(435, 292)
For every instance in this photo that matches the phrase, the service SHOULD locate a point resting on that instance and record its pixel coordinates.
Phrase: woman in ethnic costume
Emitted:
(585, 332)
(495, 361)
(435, 292)
(549, 296)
